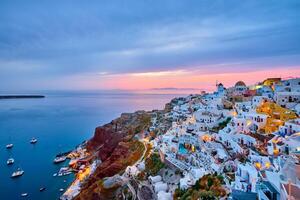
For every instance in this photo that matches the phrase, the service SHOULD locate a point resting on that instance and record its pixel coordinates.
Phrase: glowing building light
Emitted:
(258, 165)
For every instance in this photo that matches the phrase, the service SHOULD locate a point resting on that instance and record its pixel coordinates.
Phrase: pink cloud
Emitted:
(177, 79)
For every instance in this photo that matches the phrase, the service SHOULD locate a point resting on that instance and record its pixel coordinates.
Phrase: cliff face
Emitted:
(116, 148)
(107, 137)
(105, 140)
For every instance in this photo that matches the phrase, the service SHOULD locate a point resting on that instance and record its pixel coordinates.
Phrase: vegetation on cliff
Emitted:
(209, 187)
(153, 164)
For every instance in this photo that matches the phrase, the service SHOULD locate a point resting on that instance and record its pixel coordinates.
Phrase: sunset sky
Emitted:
(91, 45)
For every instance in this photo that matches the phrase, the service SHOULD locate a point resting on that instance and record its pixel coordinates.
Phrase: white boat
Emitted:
(55, 174)
(10, 161)
(24, 194)
(67, 173)
(59, 159)
(9, 146)
(17, 173)
(61, 190)
(33, 141)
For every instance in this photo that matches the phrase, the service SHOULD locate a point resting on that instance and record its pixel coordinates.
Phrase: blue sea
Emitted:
(60, 121)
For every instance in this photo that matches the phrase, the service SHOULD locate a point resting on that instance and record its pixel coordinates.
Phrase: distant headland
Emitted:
(21, 96)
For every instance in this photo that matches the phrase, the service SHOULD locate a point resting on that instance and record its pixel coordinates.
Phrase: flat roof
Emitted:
(240, 195)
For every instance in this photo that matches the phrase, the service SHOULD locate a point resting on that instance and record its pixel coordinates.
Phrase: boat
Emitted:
(33, 141)
(67, 173)
(9, 146)
(59, 159)
(17, 173)
(42, 189)
(55, 174)
(61, 189)
(24, 194)
(10, 161)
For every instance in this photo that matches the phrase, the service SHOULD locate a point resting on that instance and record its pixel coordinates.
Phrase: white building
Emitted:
(290, 85)
(258, 100)
(191, 177)
(227, 140)
(162, 195)
(246, 177)
(209, 118)
(154, 179)
(290, 127)
(245, 140)
(257, 119)
(221, 90)
(240, 88)
(265, 91)
(132, 171)
(240, 124)
(160, 186)
(287, 99)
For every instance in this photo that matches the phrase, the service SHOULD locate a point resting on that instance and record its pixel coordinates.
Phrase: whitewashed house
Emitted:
(246, 178)
(290, 85)
(209, 118)
(259, 100)
(290, 127)
(246, 140)
(287, 99)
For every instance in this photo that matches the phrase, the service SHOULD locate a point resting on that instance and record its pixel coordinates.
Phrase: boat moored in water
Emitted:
(33, 141)
(59, 159)
(9, 146)
(24, 194)
(42, 189)
(17, 173)
(10, 161)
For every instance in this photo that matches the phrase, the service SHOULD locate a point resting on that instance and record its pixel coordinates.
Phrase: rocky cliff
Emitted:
(114, 145)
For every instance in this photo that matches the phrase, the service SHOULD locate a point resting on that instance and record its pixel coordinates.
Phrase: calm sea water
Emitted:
(59, 122)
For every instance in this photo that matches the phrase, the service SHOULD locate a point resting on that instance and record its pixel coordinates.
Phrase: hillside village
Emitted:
(241, 142)
(247, 137)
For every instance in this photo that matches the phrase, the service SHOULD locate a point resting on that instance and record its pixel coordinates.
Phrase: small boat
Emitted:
(59, 159)
(67, 173)
(42, 189)
(61, 190)
(9, 146)
(10, 161)
(17, 173)
(33, 141)
(24, 194)
(55, 174)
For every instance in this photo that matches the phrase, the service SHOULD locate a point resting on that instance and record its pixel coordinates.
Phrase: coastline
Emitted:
(118, 145)
(21, 96)
(191, 140)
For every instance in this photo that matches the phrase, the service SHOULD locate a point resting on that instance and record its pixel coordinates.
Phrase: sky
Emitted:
(143, 44)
